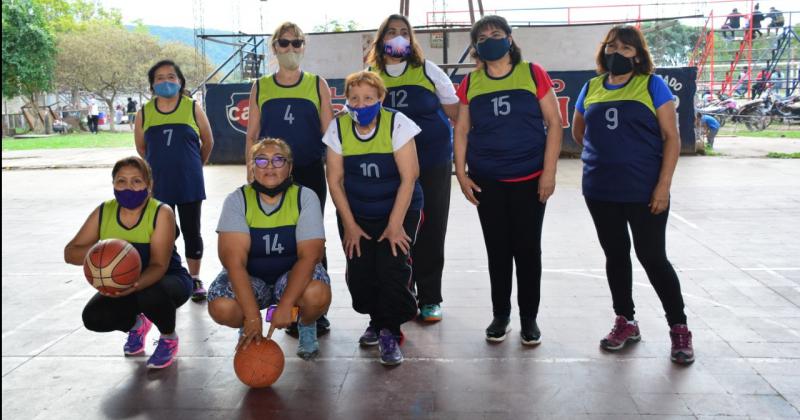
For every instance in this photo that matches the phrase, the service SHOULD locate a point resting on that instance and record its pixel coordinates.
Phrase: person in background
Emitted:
(710, 127)
(755, 21)
(93, 115)
(732, 22)
(131, 109)
(776, 20)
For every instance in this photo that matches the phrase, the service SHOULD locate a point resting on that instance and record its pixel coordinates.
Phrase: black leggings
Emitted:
(379, 282)
(313, 177)
(428, 253)
(158, 303)
(190, 226)
(649, 240)
(511, 217)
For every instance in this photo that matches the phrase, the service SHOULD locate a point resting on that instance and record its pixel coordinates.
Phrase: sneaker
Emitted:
(682, 352)
(620, 334)
(430, 313)
(198, 291)
(135, 344)
(530, 333)
(369, 338)
(389, 348)
(308, 347)
(165, 353)
(323, 327)
(498, 329)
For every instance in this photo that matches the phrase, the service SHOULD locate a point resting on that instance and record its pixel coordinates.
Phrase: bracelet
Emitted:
(254, 320)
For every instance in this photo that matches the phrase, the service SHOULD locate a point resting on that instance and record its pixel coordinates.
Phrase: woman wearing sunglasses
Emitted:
(372, 173)
(295, 106)
(422, 91)
(509, 135)
(271, 242)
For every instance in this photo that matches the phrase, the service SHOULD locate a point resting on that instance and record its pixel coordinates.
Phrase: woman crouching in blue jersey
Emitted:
(372, 174)
(271, 242)
(509, 135)
(173, 134)
(163, 286)
(625, 120)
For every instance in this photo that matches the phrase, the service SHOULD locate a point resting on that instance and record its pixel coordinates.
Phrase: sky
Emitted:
(254, 16)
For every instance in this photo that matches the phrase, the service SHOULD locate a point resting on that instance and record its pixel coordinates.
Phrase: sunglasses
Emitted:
(297, 43)
(278, 161)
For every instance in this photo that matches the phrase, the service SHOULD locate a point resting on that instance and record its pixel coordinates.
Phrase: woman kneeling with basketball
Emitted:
(271, 242)
(163, 285)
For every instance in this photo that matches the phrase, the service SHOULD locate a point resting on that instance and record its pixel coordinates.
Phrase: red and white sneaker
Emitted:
(682, 352)
(621, 334)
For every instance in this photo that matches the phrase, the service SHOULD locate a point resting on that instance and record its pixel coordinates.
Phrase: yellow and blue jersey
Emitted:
(172, 141)
(273, 244)
(292, 113)
(414, 94)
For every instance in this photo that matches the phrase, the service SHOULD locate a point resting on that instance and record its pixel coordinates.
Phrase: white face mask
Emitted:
(290, 60)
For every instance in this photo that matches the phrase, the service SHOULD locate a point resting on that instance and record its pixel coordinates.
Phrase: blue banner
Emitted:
(227, 106)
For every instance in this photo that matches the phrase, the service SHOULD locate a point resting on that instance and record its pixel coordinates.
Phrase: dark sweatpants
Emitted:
(158, 303)
(313, 177)
(511, 217)
(649, 240)
(428, 252)
(379, 282)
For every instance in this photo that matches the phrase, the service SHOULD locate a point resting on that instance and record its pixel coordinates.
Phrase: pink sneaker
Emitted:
(135, 344)
(682, 352)
(166, 351)
(620, 334)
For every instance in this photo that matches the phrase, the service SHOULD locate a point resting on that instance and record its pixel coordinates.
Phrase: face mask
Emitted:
(397, 47)
(492, 49)
(290, 60)
(365, 115)
(272, 192)
(130, 199)
(166, 89)
(618, 64)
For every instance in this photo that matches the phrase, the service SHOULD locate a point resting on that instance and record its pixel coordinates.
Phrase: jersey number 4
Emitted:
(275, 246)
(288, 115)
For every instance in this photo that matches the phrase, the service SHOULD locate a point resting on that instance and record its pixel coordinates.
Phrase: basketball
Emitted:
(112, 265)
(260, 364)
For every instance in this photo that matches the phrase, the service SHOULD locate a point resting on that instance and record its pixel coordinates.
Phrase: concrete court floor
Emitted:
(733, 237)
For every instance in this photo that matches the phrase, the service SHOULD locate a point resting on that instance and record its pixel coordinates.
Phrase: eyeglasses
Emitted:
(278, 161)
(297, 43)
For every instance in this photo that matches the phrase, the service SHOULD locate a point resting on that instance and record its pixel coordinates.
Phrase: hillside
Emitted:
(217, 53)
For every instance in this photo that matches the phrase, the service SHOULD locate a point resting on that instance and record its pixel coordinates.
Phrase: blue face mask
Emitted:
(364, 115)
(166, 89)
(492, 49)
(131, 199)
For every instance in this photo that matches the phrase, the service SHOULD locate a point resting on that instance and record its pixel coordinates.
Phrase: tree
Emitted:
(336, 26)
(67, 16)
(105, 60)
(28, 53)
(670, 42)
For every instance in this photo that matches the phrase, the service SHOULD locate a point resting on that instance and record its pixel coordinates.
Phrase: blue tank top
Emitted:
(622, 145)
(291, 113)
(414, 94)
(371, 177)
(507, 137)
(172, 142)
(273, 244)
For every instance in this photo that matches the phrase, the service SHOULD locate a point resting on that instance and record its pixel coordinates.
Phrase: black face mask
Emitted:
(618, 64)
(272, 192)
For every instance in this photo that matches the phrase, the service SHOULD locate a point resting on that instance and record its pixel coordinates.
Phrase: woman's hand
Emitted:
(122, 293)
(352, 240)
(468, 187)
(547, 184)
(660, 200)
(252, 331)
(282, 317)
(397, 237)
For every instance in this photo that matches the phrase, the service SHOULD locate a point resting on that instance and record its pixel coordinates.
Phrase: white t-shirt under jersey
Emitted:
(444, 86)
(404, 130)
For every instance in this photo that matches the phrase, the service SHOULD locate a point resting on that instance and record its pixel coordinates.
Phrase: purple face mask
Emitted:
(130, 199)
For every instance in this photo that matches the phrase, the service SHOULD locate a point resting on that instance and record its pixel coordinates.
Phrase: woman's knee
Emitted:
(316, 296)
(225, 311)
(95, 321)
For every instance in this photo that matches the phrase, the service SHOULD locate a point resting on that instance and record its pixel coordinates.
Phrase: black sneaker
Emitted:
(498, 329)
(530, 332)
(323, 327)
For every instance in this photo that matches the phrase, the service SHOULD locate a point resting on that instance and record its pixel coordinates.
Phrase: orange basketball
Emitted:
(112, 265)
(260, 364)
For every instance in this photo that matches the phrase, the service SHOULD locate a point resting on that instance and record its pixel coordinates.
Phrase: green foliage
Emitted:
(72, 141)
(670, 42)
(67, 16)
(336, 26)
(781, 155)
(28, 49)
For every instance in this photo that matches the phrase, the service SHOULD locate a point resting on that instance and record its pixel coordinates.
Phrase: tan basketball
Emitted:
(259, 365)
(112, 265)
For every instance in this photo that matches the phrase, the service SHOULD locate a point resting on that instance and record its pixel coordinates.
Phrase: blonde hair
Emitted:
(265, 142)
(364, 77)
(286, 27)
